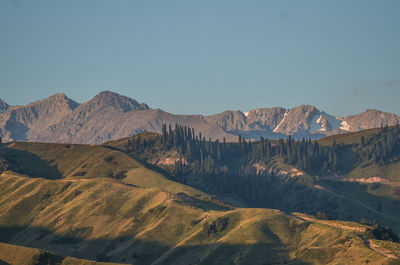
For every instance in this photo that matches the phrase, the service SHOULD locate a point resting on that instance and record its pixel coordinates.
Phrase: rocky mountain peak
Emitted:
(297, 119)
(229, 120)
(117, 101)
(60, 99)
(266, 116)
(371, 118)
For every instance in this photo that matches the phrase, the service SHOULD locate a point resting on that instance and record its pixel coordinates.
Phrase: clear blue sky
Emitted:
(205, 56)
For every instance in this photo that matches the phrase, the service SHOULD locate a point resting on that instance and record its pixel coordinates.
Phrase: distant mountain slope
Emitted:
(111, 116)
(302, 121)
(30, 121)
(370, 119)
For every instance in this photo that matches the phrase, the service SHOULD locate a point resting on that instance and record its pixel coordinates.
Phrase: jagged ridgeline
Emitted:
(110, 116)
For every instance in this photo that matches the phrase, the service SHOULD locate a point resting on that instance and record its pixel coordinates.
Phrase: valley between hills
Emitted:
(177, 198)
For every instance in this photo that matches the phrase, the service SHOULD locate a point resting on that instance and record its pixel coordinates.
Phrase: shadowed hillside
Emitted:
(106, 220)
(141, 217)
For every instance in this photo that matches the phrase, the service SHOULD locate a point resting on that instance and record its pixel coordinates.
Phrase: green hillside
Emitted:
(141, 217)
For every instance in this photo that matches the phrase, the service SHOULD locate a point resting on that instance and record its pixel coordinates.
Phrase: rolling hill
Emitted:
(123, 210)
(17, 255)
(358, 185)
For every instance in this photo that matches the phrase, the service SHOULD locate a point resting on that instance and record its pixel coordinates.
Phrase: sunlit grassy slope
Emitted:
(348, 138)
(67, 161)
(17, 255)
(148, 219)
(108, 220)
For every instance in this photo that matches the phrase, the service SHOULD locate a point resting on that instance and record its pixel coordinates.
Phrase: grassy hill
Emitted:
(54, 161)
(348, 138)
(141, 217)
(356, 168)
(344, 196)
(17, 255)
(104, 219)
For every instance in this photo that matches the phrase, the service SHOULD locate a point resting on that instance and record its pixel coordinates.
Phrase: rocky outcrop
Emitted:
(3, 106)
(271, 171)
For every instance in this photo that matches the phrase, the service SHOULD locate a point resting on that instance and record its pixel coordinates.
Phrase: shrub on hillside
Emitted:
(365, 221)
(80, 174)
(216, 227)
(119, 175)
(322, 216)
(108, 159)
(4, 165)
(382, 233)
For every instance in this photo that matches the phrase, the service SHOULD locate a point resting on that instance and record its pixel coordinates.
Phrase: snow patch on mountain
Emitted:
(316, 123)
(324, 122)
(333, 121)
(281, 122)
(344, 126)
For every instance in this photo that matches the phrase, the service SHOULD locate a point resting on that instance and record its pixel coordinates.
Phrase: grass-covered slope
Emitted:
(368, 154)
(66, 161)
(54, 161)
(17, 255)
(144, 218)
(104, 219)
(275, 183)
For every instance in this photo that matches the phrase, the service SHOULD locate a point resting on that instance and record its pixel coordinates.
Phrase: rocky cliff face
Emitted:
(3, 106)
(111, 116)
(27, 122)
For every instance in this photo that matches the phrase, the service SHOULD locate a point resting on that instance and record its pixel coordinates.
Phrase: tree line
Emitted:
(201, 156)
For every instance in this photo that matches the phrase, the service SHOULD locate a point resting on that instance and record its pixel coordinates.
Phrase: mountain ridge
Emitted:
(122, 210)
(109, 116)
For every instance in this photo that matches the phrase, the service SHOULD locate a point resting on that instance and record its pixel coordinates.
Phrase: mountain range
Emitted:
(110, 116)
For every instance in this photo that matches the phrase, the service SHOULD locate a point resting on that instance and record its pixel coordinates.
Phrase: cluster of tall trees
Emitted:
(198, 155)
(305, 154)
(204, 157)
(227, 168)
(382, 147)
(201, 156)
